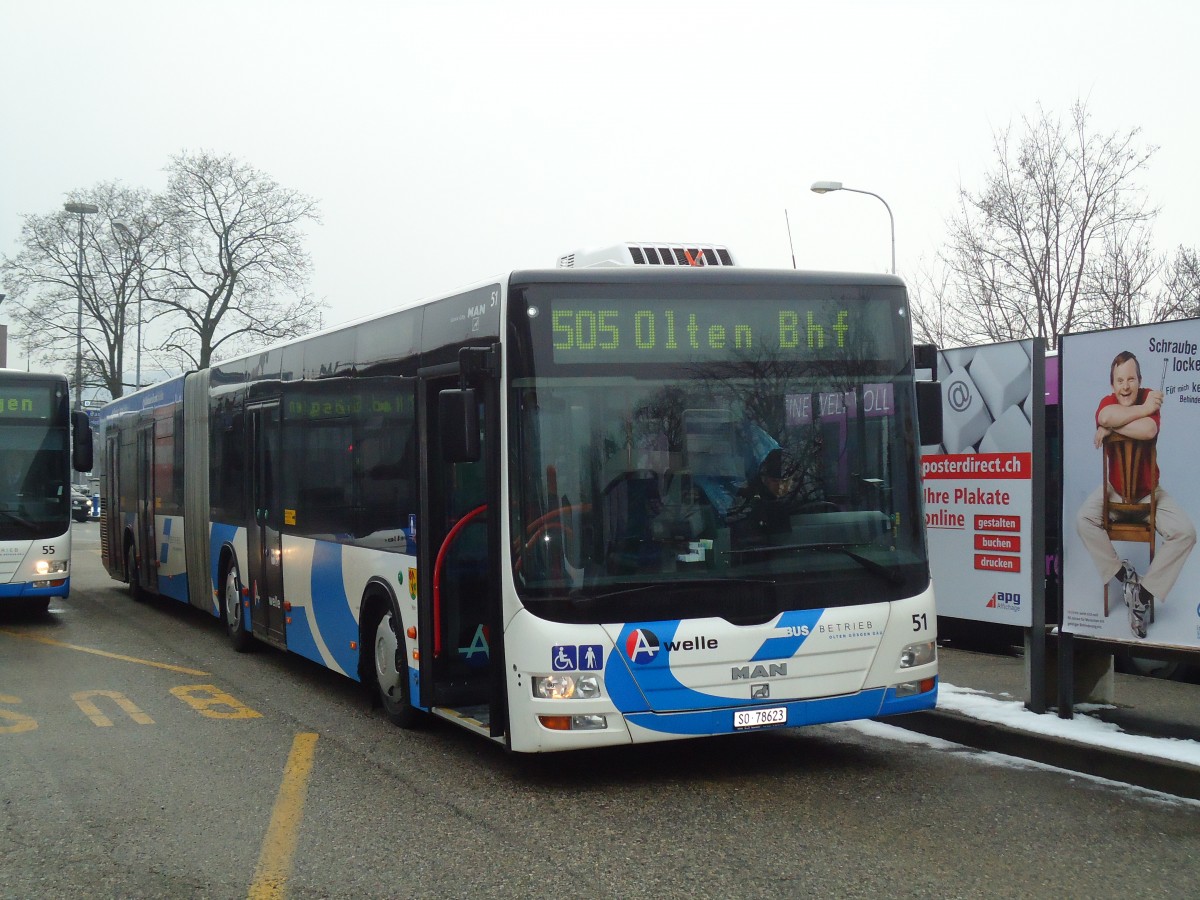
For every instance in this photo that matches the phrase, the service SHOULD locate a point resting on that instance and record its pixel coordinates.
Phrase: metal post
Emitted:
(127, 237)
(80, 209)
(138, 375)
(1066, 674)
(79, 318)
(825, 187)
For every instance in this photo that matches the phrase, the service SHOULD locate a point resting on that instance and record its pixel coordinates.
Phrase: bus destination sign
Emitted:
(598, 332)
(18, 401)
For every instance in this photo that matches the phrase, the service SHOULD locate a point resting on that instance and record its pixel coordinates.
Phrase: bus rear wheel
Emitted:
(391, 679)
(233, 612)
(131, 575)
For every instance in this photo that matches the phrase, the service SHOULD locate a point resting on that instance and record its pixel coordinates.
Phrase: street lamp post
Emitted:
(127, 237)
(825, 187)
(80, 209)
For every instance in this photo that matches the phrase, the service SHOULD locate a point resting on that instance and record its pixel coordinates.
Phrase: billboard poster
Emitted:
(978, 483)
(1130, 424)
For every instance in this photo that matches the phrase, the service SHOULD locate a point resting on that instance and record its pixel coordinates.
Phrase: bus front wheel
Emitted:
(391, 679)
(36, 606)
(234, 612)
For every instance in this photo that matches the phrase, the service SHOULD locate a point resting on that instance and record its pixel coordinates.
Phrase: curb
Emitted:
(1167, 776)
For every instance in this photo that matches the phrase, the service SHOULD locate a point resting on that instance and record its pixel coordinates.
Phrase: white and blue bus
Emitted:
(563, 508)
(35, 487)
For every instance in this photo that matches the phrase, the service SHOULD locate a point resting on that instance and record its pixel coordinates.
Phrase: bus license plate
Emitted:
(758, 718)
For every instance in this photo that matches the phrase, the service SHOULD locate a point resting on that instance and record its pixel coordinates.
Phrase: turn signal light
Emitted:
(587, 722)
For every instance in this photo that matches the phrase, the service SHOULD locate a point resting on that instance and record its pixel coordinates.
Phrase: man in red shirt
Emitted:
(1135, 412)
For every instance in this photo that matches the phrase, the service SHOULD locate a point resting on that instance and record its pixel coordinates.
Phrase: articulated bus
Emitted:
(564, 508)
(35, 487)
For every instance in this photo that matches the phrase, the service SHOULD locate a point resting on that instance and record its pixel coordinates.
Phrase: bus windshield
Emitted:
(711, 449)
(35, 496)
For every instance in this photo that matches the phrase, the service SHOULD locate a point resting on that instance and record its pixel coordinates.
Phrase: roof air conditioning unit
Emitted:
(647, 254)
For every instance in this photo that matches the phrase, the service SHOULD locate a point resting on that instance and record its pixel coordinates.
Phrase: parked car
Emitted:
(81, 504)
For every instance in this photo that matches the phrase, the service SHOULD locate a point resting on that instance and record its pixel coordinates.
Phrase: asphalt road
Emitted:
(141, 757)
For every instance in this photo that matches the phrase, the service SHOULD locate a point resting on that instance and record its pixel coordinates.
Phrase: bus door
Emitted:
(461, 646)
(147, 540)
(263, 538)
(111, 525)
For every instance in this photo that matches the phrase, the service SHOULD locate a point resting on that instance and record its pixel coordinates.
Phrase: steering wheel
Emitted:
(542, 525)
(631, 475)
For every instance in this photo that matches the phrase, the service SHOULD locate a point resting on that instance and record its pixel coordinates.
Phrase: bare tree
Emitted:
(43, 281)
(1119, 281)
(1180, 294)
(1027, 254)
(140, 238)
(234, 267)
(935, 319)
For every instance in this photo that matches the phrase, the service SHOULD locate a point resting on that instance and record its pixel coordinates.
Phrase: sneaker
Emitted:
(1139, 606)
(1129, 578)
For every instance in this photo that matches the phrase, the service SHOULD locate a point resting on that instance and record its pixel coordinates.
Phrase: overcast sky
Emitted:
(449, 141)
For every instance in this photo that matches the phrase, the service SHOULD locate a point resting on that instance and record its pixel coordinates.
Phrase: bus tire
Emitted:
(233, 612)
(36, 606)
(391, 684)
(131, 574)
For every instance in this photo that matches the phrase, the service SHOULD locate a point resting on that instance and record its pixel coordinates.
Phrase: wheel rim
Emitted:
(386, 673)
(233, 602)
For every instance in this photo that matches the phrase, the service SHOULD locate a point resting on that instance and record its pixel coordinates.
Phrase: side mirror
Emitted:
(458, 413)
(925, 358)
(929, 412)
(82, 451)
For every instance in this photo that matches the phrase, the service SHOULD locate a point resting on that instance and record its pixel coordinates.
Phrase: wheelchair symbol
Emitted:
(563, 657)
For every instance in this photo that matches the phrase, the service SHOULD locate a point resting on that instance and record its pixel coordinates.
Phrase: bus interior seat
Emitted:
(632, 501)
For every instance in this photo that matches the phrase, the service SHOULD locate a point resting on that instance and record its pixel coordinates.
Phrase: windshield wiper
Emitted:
(581, 597)
(20, 520)
(671, 587)
(890, 575)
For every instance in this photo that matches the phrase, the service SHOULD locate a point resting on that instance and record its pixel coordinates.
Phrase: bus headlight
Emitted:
(50, 566)
(918, 654)
(566, 687)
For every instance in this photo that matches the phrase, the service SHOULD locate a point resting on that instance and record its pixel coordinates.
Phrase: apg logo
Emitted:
(1005, 600)
(642, 646)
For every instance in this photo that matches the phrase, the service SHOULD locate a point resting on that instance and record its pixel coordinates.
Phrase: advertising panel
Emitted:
(983, 531)
(1130, 424)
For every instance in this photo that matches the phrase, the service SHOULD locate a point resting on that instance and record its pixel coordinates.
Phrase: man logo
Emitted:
(642, 646)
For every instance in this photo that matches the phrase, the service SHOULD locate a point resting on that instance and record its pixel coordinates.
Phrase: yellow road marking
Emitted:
(105, 653)
(275, 857)
(83, 699)
(204, 697)
(24, 722)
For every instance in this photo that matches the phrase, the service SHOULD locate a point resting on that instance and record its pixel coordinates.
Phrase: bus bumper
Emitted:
(51, 587)
(866, 704)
